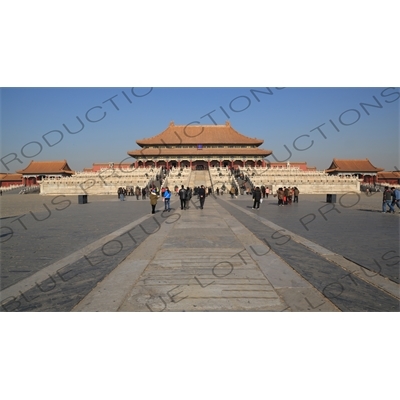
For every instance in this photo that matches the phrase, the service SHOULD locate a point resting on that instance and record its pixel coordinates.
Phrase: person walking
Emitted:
(188, 197)
(257, 197)
(182, 197)
(387, 200)
(281, 195)
(396, 197)
(232, 192)
(296, 193)
(167, 200)
(153, 200)
(266, 192)
(202, 196)
(285, 195)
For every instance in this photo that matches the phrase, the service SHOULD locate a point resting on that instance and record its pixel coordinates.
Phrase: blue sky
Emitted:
(278, 116)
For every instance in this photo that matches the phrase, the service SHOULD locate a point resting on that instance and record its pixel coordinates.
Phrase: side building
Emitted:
(360, 169)
(37, 171)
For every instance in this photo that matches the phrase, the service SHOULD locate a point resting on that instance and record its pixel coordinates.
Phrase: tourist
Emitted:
(153, 200)
(280, 193)
(296, 193)
(290, 195)
(217, 190)
(387, 200)
(202, 196)
(232, 192)
(266, 192)
(188, 197)
(285, 195)
(182, 197)
(396, 197)
(167, 199)
(137, 192)
(144, 193)
(257, 197)
(263, 191)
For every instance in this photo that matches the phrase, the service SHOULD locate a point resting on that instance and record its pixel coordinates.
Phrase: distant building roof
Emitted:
(389, 175)
(47, 167)
(10, 177)
(356, 166)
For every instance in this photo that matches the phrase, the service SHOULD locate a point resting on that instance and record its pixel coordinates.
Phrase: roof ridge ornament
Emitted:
(227, 123)
(171, 123)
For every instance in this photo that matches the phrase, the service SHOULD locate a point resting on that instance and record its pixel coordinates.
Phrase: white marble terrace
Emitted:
(104, 182)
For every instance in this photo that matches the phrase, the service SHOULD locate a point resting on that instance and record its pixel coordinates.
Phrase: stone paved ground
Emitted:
(109, 255)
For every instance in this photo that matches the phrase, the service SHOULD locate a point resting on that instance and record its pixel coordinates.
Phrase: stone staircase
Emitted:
(198, 178)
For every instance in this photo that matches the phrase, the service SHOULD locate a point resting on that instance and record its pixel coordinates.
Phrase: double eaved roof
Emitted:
(199, 134)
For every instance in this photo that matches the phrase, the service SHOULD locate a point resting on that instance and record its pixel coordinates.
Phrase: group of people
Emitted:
(123, 192)
(391, 197)
(287, 195)
(155, 195)
(185, 195)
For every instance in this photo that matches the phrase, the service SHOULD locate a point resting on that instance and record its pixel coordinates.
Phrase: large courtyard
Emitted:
(109, 255)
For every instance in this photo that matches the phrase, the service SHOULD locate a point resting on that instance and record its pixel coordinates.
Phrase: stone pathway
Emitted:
(206, 261)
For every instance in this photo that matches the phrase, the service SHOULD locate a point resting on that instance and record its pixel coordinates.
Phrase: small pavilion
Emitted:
(36, 171)
(362, 169)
